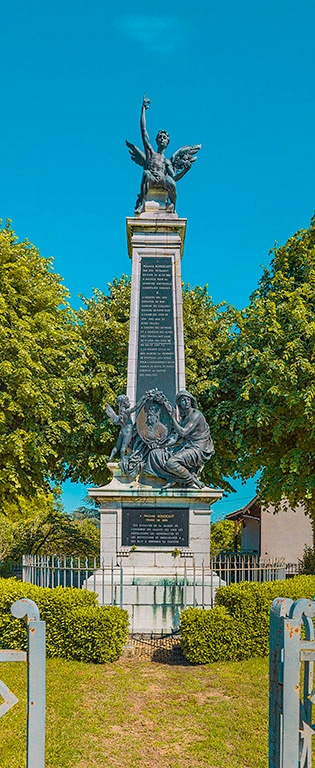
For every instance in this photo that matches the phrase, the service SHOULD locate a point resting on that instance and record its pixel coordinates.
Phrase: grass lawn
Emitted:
(141, 714)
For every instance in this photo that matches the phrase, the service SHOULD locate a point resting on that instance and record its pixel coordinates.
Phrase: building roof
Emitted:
(252, 510)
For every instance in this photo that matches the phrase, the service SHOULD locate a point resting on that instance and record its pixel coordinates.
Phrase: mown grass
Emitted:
(141, 714)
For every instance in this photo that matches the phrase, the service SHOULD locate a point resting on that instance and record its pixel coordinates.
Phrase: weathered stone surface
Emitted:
(156, 239)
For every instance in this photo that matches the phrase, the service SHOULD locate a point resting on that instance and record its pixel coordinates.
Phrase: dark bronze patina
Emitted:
(164, 445)
(159, 172)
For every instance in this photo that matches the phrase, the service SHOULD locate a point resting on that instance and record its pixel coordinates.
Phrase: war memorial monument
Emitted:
(155, 512)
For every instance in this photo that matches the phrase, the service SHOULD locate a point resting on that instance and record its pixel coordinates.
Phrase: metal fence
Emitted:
(60, 570)
(292, 569)
(65, 571)
(235, 567)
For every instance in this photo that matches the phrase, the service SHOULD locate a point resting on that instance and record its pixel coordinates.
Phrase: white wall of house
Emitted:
(285, 533)
(250, 535)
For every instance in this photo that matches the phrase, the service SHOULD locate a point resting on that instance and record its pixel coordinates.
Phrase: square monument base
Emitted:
(155, 550)
(154, 597)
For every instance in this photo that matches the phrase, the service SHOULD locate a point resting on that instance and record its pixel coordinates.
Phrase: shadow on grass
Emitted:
(162, 650)
(173, 657)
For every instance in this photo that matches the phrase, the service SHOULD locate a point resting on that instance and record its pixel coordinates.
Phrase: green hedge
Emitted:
(238, 626)
(76, 627)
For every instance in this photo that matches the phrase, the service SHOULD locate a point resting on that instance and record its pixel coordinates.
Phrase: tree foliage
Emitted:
(54, 532)
(104, 327)
(307, 563)
(41, 526)
(41, 356)
(265, 401)
(223, 537)
(208, 330)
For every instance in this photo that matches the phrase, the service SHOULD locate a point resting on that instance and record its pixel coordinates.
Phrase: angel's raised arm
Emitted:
(143, 125)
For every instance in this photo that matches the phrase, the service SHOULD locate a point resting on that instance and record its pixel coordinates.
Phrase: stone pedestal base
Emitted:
(168, 566)
(154, 597)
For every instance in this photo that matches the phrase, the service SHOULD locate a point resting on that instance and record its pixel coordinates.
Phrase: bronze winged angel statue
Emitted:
(159, 172)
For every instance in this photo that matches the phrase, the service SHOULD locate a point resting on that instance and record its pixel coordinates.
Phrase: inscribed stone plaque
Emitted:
(152, 527)
(156, 346)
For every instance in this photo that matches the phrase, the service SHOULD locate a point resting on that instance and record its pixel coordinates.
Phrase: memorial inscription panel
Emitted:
(152, 527)
(156, 345)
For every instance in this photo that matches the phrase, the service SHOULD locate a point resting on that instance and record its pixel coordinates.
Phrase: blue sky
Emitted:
(236, 77)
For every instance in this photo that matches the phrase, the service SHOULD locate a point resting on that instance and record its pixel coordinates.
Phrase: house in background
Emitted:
(268, 533)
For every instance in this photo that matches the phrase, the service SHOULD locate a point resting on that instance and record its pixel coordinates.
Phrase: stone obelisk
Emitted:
(155, 512)
(156, 341)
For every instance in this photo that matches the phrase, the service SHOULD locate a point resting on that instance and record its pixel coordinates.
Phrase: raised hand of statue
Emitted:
(146, 102)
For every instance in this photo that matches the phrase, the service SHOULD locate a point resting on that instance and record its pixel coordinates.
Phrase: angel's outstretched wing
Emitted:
(136, 154)
(111, 414)
(183, 158)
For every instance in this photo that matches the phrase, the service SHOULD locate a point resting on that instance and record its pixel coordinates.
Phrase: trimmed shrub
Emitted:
(238, 627)
(93, 634)
(208, 635)
(76, 627)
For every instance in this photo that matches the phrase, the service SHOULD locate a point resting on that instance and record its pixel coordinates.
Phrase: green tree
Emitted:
(209, 333)
(6, 538)
(307, 564)
(264, 403)
(54, 532)
(41, 526)
(41, 356)
(22, 508)
(104, 328)
(223, 537)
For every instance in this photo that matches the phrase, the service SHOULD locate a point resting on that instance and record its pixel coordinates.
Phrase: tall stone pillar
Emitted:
(155, 540)
(156, 341)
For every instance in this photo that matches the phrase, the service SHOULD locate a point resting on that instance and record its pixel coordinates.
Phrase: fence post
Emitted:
(36, 664)
(203, 585)
(211, 587)
(112, 582)
(103, 582)
(185, 585)
(24, 568)
(290, 719)
(121, 600)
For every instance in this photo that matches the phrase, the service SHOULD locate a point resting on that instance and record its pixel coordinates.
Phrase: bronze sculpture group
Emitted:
(161, 443)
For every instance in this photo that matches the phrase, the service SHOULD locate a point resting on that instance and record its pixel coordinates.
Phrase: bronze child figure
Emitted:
(123, 419)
